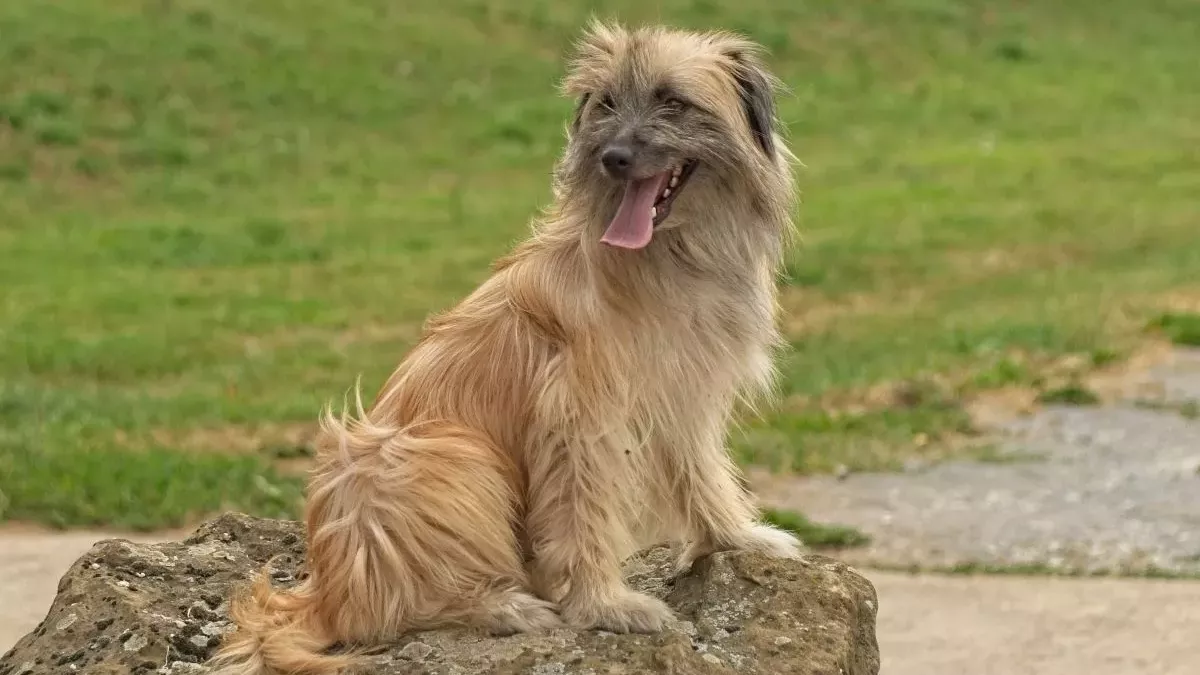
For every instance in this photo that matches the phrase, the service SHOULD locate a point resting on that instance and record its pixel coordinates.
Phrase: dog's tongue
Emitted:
(633, 225)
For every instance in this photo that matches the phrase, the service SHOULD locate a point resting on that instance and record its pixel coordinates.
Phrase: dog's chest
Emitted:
(708, 350)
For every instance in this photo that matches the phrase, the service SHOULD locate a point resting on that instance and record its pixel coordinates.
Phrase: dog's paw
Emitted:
(518, 612)
(771, 541)
(690, 554)
(628, 612)
(759, 538)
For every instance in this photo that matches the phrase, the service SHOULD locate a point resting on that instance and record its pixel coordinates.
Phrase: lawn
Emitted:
(215, 215)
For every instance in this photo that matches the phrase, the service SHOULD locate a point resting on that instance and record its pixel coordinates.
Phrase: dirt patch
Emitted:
(369, 333)
(1182, 301)
(974, 264)
(289, 447)
(807, 311)
(991, 408)
(1116, 381)
(288, 438)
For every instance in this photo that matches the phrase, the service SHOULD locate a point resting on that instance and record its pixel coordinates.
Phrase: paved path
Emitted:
(1006, 625)
(1110, 488)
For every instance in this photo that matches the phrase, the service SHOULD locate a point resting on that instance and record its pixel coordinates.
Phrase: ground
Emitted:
(938, 625)
(218, 215)
(1053, 502)
(1107, 488)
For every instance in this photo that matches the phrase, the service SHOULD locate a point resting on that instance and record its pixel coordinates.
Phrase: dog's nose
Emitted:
(617, 160)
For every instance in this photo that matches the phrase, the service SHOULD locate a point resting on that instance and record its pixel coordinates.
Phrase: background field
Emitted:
(215, 215)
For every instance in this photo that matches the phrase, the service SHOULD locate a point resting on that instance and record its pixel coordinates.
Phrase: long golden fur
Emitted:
(574, 407)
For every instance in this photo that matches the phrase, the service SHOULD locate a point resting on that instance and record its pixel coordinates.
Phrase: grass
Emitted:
(1129, 570)
(1189, 409)
(215, 215)
(1069, 394)
(991, 454)
(815, 440)
(816, 535)
(1047, 570)
(1181, 328)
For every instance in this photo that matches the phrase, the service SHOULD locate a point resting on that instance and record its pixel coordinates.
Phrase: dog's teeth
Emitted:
(653, 212)
(674, 180)
(678, 170)
(666, 193)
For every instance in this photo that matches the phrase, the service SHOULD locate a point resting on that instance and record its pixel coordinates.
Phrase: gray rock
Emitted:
(416, 651)
(171, 613)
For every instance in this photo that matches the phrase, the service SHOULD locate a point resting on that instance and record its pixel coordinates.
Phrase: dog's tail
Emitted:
(358, 588)
(278, 632)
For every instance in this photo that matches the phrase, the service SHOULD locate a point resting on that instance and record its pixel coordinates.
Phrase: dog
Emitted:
(574, 407)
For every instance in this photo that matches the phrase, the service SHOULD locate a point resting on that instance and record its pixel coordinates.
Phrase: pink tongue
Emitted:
(633, 226)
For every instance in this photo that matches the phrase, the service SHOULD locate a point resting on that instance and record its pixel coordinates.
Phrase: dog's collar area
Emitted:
(671, 189)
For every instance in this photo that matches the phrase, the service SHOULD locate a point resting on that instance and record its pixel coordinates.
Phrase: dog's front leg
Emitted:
(719, 513)
(576, 524)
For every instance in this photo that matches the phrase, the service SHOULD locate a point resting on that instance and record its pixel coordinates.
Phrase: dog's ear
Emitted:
(578, 116)
(759, 103)
(757, 91)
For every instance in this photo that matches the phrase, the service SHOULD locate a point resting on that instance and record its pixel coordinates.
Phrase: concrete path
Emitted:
(1006, 625)
(1109, 489)
(1112, 488)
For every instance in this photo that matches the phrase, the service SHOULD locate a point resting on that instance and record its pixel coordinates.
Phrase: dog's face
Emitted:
(659, 110)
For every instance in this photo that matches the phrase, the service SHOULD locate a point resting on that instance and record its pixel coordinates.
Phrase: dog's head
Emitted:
(659, 111)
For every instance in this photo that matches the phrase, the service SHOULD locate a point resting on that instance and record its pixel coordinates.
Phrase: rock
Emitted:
(737, 611)
(416, 651)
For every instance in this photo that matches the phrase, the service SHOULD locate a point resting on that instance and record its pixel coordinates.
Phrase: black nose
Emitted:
(617, 160)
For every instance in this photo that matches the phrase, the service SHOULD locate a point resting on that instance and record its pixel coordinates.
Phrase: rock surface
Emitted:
(161, 608)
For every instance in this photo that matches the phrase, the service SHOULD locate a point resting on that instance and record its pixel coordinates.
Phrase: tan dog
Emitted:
(574, 407)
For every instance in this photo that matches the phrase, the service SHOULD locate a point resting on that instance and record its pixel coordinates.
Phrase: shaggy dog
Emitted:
(574, 407)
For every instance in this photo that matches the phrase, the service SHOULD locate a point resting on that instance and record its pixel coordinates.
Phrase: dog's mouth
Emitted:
(646, 204)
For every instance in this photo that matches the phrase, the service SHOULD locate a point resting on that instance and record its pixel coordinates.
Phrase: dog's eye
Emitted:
(607, 104)
(674, 105)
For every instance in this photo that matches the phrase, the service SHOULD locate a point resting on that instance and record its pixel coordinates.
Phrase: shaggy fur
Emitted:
(574, 407)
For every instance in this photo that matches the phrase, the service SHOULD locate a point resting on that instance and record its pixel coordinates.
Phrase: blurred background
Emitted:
(215, 215)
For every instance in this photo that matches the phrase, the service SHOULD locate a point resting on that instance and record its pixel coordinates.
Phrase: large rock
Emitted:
(127, 608)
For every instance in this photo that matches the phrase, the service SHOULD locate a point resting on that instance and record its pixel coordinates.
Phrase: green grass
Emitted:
(816, 535)
(1069, 394)
(1189, 409)
(1133, 570)
(1181, 329)
(214, 215)
(820, 440)
(991, 454)
(1047, 570)
(142, 490)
